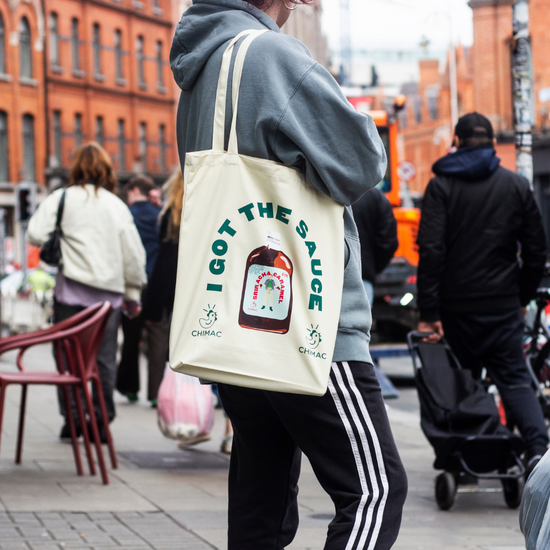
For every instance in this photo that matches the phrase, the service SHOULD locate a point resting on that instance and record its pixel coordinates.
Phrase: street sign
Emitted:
(406, 170)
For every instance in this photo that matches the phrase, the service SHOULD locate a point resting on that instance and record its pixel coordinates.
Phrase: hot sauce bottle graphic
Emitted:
(266, 302)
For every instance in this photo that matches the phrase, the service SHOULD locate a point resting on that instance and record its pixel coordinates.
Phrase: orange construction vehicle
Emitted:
(395, 290)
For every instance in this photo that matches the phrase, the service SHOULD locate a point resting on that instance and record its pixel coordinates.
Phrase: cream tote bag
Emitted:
(260, 266)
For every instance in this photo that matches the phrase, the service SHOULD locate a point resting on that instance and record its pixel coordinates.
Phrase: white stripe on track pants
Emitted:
(347, 438)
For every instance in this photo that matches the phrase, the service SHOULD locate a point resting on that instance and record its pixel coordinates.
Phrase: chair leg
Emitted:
(95, 433)
(105, 418)
(85, 434)
(3, 388)
(70, 419)
(22, 410)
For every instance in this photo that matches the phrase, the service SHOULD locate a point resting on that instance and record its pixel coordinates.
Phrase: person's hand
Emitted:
(435, 328)
(131, 308)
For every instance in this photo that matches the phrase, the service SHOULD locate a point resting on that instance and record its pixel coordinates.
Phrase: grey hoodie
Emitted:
(291, 110)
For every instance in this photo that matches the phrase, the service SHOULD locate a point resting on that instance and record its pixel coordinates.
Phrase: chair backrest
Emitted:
(81, 342)
(19, 340)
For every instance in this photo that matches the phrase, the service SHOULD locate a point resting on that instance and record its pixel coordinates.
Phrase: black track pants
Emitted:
(494, 341)
(347, 438)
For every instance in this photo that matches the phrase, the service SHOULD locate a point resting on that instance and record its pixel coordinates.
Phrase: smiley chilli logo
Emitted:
(210, 319)
(313, 339)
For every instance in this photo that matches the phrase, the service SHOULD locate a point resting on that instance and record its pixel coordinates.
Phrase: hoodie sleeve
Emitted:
(533, 248)
(432, 249)
(42, 222)
(320, 131)
(133, 258)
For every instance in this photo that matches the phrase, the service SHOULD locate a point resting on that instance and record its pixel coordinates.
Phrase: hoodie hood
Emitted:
(204, 27)
(469, 164)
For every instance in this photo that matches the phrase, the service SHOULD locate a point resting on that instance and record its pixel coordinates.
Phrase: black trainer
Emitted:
(65, 434)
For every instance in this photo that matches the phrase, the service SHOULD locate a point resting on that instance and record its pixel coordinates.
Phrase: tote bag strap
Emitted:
(218, 134)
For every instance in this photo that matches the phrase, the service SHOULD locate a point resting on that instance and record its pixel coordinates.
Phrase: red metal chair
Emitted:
(76, 341)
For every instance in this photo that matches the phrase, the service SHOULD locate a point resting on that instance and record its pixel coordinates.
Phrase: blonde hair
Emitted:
(92, 164)
(173, 190)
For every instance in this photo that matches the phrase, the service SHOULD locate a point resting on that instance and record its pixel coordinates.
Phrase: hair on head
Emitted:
(92, 164)
(144, 183)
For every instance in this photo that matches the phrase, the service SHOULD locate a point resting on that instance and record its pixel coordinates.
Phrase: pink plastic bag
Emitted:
(185, 407)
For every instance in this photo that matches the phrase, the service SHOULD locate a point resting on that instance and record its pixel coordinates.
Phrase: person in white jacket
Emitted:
(103, 258)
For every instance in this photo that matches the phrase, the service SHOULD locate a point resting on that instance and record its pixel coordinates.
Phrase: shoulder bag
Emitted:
(50, 252)
(260, 265)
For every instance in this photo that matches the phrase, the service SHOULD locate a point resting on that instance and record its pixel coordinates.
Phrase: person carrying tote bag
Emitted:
(269, 299)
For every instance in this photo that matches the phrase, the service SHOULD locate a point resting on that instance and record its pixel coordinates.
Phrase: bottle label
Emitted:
(267, 292)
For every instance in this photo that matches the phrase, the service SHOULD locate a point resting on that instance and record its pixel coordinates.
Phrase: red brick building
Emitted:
(72, 71)
(22, 99)
(425, 124)
(109, 80)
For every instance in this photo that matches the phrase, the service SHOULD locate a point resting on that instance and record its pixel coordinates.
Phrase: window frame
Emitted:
(57, 130)
(53, 49)
(96, 51)
(140, 58)
(29, 147)
(26, 68)
(3, 69)
(75, 45)
(121, 138)
(4, 148)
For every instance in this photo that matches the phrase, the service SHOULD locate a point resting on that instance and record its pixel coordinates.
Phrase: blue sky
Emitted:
(399, 24)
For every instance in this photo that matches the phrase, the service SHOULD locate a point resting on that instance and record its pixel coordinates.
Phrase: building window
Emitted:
(160, 75)
(417, 108)
(432, 99)
(77, 130)
(143, 145)
(118, 55)
(140, 62)
(25, 50)
(2, 46)
(121, 145)
(54, 40)
(162, 148)
(99, 130)
(57, 137)
(75, 44)
(97, 50)
(29, 171)
(4, 168)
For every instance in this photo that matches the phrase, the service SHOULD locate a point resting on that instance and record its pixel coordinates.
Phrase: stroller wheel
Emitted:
(445, 490)
(513, 489)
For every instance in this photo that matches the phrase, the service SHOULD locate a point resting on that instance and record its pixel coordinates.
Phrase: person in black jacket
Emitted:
(378, 235)
(482, 255)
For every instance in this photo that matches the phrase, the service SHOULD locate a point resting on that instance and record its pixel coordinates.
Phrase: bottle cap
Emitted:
(274, 240)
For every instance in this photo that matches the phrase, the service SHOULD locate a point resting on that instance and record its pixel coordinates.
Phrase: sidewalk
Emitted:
(165, 498)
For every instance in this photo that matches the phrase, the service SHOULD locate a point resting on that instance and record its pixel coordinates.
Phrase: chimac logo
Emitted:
(210, 319)
(313, 339)
(207, 323)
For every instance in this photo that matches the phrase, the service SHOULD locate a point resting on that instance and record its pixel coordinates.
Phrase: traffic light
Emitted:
(24, 201)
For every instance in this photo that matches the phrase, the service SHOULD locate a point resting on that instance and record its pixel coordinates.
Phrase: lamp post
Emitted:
(522, 89)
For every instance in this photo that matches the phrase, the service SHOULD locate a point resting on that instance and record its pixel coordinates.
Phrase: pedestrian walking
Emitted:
(482, 254)
(158, 300)
(377, 230)
(102, 256)
(292, 111)
(145, 215)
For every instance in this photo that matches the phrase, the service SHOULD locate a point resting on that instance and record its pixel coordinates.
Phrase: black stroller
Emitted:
(462, 423)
